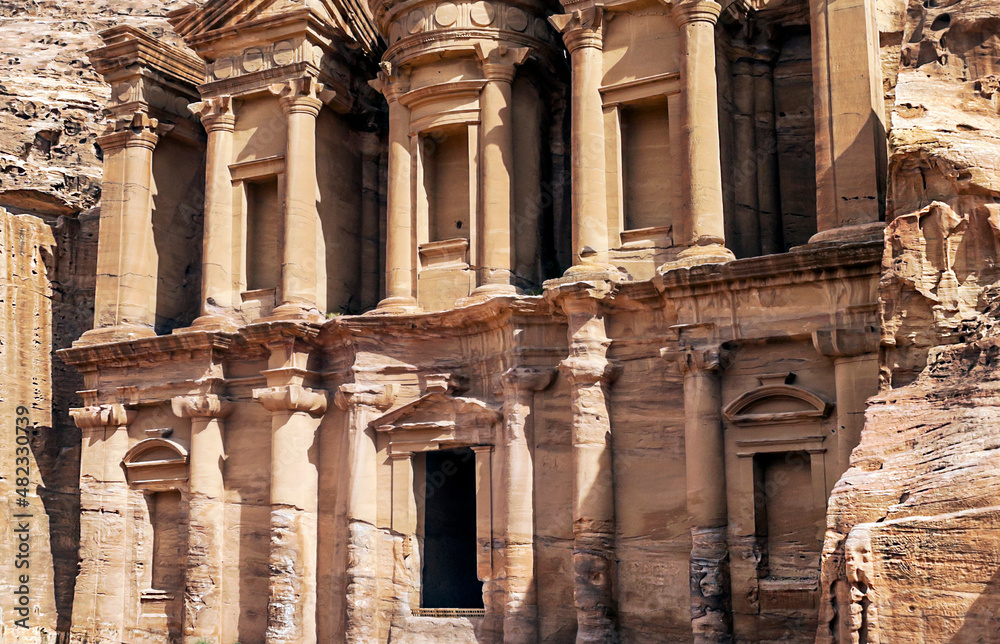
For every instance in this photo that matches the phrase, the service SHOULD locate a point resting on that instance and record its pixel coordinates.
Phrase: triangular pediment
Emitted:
(438, 420)
(350, 17)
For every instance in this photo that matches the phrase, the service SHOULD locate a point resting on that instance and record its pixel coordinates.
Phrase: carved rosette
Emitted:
(417, 27)
(292, 398)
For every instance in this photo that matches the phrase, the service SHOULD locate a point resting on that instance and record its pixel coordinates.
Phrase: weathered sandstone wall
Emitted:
(912, 551)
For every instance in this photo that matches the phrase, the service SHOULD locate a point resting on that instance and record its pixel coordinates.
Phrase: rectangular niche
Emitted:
(263, 262)
(787, 516)
(650, 180)
(446, 182)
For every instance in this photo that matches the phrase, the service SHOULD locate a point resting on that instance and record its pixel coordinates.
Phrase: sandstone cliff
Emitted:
(912, 550)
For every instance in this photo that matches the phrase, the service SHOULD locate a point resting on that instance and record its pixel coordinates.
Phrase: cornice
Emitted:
(125, 46)
(161, 348)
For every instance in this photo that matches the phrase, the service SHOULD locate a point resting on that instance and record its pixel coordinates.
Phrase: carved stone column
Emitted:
(516, 503)
(217, 241)
(701, 228)
(125, 298)
(400, 242)
(497, 150)
(203, 601)
(103, 583)
(291, 609)
(855, 363)
(768, 179)
(705, 458)
(303, 293)
(590, 373)
(747, 222)
(364, 403)
(850, 120)
(583, 34)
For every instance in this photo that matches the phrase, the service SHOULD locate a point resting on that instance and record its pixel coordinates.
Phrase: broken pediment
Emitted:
(439, 421)
(777, 403)
(353, 19)
(156, 464)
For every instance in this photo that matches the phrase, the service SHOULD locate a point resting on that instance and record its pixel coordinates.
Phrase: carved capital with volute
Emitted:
(101, 416)
(581, 28)
(380, 397)
(689, 11)
(136, 131)
(846, 343)
(518, 379)
(500, 61)
(587, 370)
(303, 95)
(200, 406)
(292, 398)
(216, 113)
(392, 81)
(692, 361)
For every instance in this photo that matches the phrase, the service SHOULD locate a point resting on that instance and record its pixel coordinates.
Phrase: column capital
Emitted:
(392, 81)
(303, 95)
(846, 342)
(381, 397)
(690, 11)
(499, 60)
(200, 406)
(695, 361)
(581, 28)
(216, 113)
(97, 416)
(292, 398)
(522, 378)
(136, 131)
(583, 370)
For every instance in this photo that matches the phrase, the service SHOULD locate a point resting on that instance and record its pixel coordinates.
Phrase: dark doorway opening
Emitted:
(449, 575)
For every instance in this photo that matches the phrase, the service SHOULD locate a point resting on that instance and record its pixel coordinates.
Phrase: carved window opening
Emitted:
(651, 183)
(447, 522)
(446, 182)
(787, 516)
(167, 547)
(263, 208)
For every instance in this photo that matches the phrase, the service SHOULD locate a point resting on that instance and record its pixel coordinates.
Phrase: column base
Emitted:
(857, 233)
(211, 322)
(294, 312)
(587, 272)
(698, 255)
(118, 333)
(487, 291)
(396, 305)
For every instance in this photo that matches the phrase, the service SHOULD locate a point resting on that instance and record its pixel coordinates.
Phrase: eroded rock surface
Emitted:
(51, 99)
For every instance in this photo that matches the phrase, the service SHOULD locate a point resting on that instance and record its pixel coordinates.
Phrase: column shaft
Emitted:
(702, 231)
(704, 450)
(125, 298)
(399, 238)
(588, 173)
(747, 225)
(768, 179)
(217, 247)
(498, 164)
(299, 283)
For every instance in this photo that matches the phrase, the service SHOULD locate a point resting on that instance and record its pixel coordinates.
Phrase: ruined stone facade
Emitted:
(516, 321)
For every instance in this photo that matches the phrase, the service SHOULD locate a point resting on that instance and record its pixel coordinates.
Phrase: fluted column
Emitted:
(302, 292)
(99, 604)
(700, 228)
(516, 503)
(590, 373)
(203, 600)
(705, 459)
(363, 403)
(217, 239)
(497, 150)
(291, 608)
(583, 34)
(125, 297)
(400, 242)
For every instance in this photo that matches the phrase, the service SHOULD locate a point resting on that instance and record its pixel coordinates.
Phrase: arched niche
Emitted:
(156, 465)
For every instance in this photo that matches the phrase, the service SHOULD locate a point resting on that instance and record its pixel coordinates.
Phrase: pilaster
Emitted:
(704, 452)
(203, 599)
